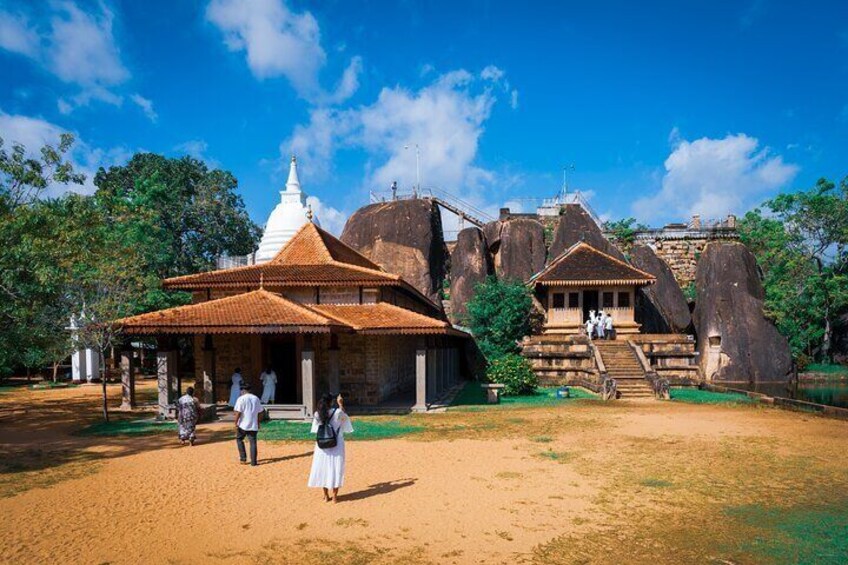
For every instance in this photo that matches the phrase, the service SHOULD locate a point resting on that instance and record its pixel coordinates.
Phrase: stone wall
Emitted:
(681, 253)
(231, 351)
(373, 368)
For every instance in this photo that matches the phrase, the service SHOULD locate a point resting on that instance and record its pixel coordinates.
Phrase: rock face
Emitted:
(405, 238)
(517, 246)
(576, 225)
(736, 342)
(660, 307)
(470, 265)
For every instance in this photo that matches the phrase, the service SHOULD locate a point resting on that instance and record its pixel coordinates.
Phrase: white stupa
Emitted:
(288, 217)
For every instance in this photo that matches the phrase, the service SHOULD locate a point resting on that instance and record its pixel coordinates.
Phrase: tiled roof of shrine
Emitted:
(582, 265)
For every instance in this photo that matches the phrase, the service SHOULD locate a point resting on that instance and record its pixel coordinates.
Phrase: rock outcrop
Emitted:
(470, 265)
(736, 342)
(574, 225)
(517, 246)
(405, 238)
(660, 307)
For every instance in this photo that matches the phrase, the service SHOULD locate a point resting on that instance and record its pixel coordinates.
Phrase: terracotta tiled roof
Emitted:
(259, 311)
(311, 257)
(582, 264)
(384, 318)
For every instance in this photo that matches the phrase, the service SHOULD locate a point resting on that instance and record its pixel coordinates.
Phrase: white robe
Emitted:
(328, 465)
(235, 389)
(269, 382)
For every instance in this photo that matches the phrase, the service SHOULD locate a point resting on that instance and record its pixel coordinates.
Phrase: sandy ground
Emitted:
(523, 485)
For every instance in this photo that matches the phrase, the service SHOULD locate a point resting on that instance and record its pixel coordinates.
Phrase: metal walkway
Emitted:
(446, 200)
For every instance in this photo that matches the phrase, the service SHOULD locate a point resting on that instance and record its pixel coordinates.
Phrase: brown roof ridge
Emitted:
(582, 244)
(331, 311)
(180, 278)
(326, 248)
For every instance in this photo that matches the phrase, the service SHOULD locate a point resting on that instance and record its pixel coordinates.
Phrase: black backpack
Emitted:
(327, 436)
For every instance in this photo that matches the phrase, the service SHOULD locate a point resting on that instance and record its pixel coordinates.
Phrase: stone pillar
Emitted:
(127, 381)
(209, 372)
(166, 366)
(420, 378)
(307, 374)
(333, 354)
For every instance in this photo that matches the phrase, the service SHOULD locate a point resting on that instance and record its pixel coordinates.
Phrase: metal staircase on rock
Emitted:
(624, 366)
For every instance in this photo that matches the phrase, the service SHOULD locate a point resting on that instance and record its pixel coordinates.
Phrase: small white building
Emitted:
(286, 218)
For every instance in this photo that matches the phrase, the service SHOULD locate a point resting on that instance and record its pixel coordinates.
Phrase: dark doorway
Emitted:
(282, 356)
(590, 302)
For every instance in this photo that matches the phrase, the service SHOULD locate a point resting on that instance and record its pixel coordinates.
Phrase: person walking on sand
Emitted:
(247, 410)
(269, 385)
(235, 388)
(328, 462)
(188, 414)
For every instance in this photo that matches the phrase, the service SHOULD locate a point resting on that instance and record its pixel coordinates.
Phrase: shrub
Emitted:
(499, 315)
(514, 372)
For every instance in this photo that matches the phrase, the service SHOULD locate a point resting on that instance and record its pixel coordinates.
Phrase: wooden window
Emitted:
(574, 300)
(609, 298)
(624, 300)
(559, 300)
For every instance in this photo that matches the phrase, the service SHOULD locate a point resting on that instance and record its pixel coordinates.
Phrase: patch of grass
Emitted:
(128, 428)
(365, 430)
(697, 396)
(559, 456)
(808, 534)
(472, 396)
(509, 475)
(542, 439)
(504, 535)
(827, 368)
(655, 483)
(47, 385)
(348, 522)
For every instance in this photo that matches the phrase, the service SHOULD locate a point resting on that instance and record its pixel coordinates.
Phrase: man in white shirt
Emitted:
(269, 385)
(247, 409)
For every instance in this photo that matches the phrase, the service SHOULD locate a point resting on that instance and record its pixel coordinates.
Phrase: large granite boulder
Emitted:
(470, 265)
(405, 238)
(736, 343)
(575, 225)
(517, 246)
(660, 307)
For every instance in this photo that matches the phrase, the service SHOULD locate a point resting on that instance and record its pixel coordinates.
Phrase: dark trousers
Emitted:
(240, 433)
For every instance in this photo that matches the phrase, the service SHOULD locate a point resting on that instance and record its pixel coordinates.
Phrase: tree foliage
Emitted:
(499, 315)
(623, 232)
(514, 372)
(800, 244)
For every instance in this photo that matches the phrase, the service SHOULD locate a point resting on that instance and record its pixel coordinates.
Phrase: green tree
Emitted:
(800, 245)
(499, 315)
(623, 232)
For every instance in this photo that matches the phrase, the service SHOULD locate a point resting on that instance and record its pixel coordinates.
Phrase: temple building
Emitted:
(323, 316)
(584, 279)
(286, 218)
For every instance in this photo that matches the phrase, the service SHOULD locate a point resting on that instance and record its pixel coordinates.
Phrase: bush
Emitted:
(499, 315)
(514, 372)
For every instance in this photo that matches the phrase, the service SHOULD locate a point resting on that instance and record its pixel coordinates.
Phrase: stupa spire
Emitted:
(293, 184)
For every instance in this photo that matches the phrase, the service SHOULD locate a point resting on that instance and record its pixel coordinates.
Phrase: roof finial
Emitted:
(261, 280)
(309, 214)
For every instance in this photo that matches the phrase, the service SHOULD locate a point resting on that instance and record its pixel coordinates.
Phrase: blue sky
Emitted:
(665, 108)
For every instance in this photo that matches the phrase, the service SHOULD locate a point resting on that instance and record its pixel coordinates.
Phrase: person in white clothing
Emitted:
(235, 387)
(328, 465)
(269, 385)
(590, 325)
(608, 326)
(247, 409)
(599, 322)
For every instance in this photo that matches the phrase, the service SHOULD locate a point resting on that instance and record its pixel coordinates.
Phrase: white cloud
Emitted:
(33, 133)
(279, 42)
(197, 148)
(76, 46)
(146, 106)
(17, 36)
(714, 177)
(445, 119)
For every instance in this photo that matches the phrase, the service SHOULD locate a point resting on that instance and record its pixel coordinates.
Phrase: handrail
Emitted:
(599, 360)
(643, 361)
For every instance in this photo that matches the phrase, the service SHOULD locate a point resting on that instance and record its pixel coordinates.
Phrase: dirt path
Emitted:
(540, 483)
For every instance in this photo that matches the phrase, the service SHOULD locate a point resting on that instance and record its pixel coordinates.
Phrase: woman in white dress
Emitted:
(235, 388)
(328, 465)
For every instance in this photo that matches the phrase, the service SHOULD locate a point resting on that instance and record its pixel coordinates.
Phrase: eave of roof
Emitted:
(637, 276)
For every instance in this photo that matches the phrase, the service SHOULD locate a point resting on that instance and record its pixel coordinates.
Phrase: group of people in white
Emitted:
(329, 424)
(599, 325)
(268, 377)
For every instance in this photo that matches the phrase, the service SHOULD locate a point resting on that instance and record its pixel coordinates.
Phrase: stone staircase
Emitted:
(623, 366)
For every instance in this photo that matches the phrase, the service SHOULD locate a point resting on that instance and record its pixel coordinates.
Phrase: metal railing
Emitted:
(443, 198)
